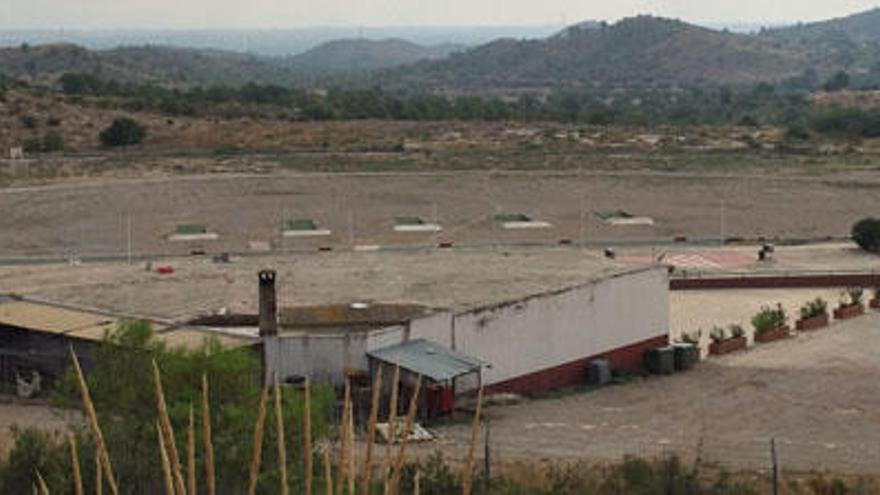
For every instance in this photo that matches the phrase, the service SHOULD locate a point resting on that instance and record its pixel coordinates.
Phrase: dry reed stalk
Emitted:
(103, 454)
(99, 476)
(343, 439)
(166, 464)
(74, 466)
(392, 418)
(410, 419)
(44, 490)
(279, 431)
(371, 432)
(168, 433)
(328, 473)
(191, 453)
(417, 489)
(352, 463)
(469, 461)
(210, 479)
(257, 453)
(308, 458)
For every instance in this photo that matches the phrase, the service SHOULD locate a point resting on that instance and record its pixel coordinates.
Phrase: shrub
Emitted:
(718, 334)
(866, 233)
(851, 297)
(123, 132)
(53, 141)
(691, 337)
(769, 319)
(736, 331)
(815, 308)
(29, 121)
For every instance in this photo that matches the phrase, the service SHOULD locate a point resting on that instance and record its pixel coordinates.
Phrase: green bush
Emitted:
(866, 233)
(123, 132)
(812, 309)
(851, 297)
(769, 319)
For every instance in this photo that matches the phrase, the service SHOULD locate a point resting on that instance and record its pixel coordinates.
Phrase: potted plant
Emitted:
(875, 301)
(814, 315)
(770, 324)
(726, 341)
(850, 304)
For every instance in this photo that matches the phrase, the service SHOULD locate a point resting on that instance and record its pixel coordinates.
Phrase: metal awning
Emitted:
(428, 359)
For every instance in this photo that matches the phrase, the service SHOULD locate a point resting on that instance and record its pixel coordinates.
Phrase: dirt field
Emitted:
(92, 219)
(817, 394)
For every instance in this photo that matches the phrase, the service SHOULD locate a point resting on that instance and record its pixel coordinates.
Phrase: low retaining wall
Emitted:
(777, 281)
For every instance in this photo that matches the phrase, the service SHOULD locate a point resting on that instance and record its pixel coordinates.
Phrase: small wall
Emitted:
(323, 358)
(777, 282)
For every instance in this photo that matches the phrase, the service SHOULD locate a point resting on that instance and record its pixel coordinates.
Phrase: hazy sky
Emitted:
(298, 13)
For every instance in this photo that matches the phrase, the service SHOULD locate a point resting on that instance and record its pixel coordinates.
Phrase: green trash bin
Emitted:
(686, 355)
(660, 360)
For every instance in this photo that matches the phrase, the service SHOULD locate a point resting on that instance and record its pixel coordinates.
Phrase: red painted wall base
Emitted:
(629, 358)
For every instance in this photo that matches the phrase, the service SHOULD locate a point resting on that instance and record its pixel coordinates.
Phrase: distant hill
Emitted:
(354, 55)
(861, 28)
(639, 51)
(155, 64)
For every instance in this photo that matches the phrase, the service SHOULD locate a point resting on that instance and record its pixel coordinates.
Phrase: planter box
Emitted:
(875, 303)
(849, 312)
(769, 336)
(727, 346)
(813, 323)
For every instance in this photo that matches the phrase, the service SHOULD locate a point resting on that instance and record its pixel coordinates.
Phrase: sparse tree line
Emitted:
(785, 104)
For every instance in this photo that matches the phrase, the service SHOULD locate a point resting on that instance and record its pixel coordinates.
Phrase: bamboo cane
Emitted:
(469, 461)
(103, 454)
(410, 419)
(343, 439)
(168, 433)
(99, 476)
(308, 458)
(366, 475)
(417, 483)
(191, 453)
(74, 465)
(41, 483)
(256, 454)
(328, 473)
(392, 431)
(352, 463)
(279, 433)
(210, 479)
(166, 464)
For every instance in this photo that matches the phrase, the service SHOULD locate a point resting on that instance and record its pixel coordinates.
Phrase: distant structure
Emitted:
(544, 341)
(16, 153)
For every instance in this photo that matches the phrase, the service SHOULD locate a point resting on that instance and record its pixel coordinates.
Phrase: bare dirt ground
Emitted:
(92, 218)
(817, 394)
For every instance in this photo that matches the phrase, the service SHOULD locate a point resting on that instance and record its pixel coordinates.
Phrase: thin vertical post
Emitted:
(128, 250)
(487, 458)
(775, 466)
(723, 221)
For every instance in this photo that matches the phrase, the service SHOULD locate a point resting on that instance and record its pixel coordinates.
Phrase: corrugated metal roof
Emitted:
(193, 339)
(53, 319)
(349, 315)
(428, 359)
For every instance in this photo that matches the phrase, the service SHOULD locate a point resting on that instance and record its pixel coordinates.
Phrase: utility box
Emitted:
(660, 360)
(599, 372)
(686, 356)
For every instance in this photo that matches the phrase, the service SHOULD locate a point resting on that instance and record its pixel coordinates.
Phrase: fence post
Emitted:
(775, 466)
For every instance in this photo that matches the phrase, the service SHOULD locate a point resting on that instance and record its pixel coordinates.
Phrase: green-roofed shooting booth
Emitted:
(439, 366)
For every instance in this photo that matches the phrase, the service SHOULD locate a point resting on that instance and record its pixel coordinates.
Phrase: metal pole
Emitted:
(775, 466)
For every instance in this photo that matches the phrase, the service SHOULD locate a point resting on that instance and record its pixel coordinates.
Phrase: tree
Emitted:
(123, 392)
(838, 82)
(123, 132)
(866, 233)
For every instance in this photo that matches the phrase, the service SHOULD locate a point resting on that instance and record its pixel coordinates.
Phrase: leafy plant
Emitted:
(866, 233)
(851, 297)
(718, 334)
(812, 309)
(769, 319)
(691, 337)
(736, 331)
(123, 132)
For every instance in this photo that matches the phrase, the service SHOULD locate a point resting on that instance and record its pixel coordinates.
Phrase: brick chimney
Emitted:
(268, 305)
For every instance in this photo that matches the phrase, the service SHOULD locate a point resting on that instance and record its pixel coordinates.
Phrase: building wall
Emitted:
(322, 358)
(541, 342)
(561, 332)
